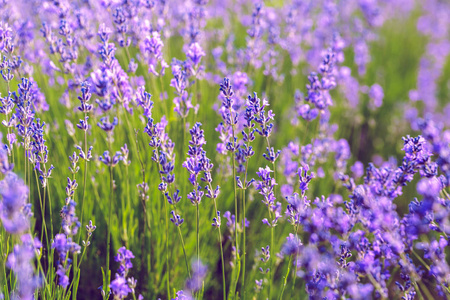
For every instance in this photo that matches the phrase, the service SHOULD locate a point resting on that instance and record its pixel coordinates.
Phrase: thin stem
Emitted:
(272, 227)
(296, 264)
(184, 251)
(243, 244)
(421, 260)
(271, 259)
(75, 274)
(25, 165)
(238, 262)
(84, 179)
(128, 198)
(183, 156)
(182, 243)
(221, 251)
(78, 265)
(108, 249)
(50, 209)
(167, 248)
(376, 285)
(417, 279)
(223, 266)
(197, 215)
(285, 277)
(181, 236)
(44, 226)
(418, 291)
(236, 215)
(244, 204)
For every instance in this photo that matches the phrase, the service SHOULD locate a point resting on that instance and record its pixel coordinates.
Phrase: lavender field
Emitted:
(236, 149)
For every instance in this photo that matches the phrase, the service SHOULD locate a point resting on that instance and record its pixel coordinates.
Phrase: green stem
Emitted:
(75, 274)
(243, 244)
(285, 277)
(235, 202)
(184, 251)
(272, 253)
(425, 290)
(167, 249)
(295, 277)
(50, 209)
(84, 181)
(108, 248)
(421, 260)
(376, 285)
(44, 226)
(197, 215)
(183, 156)
(78, 267)
(221, 252)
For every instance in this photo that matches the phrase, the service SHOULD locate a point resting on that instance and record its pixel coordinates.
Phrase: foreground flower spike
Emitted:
(266, 186)
(14, 210)
(195, 283)
(121, 286)
(39, 153)
(63, 246)
(21, 262)
(85, 107)
(111, 161)
(196, 162)
(106, 125)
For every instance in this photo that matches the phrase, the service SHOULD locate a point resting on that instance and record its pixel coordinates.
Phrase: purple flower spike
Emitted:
(106, 125)
(176, 219)
(111, 161)
(153, 48)
(199, 271)
(195, 54)
(121, 286)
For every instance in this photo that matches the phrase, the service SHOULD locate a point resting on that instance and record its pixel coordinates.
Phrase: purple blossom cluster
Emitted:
(121, 286)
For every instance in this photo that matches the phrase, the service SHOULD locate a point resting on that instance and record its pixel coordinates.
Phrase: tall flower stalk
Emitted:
(266, 187)
(164, 157)
(85, 107)
(196, 163)
(230, 118)
(110, 162)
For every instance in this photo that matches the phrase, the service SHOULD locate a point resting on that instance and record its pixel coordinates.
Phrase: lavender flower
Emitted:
(292, 246)
(64, 245)
(14, 210)
(21, 262)
(182, 101)
(5, 165)
(111, 161)
(121, 286)
(199, 272)
(106, 125)
(196, 162)
(143, 99)
(176, 219)
(84, 107)
(194, 55)
(153, 48)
